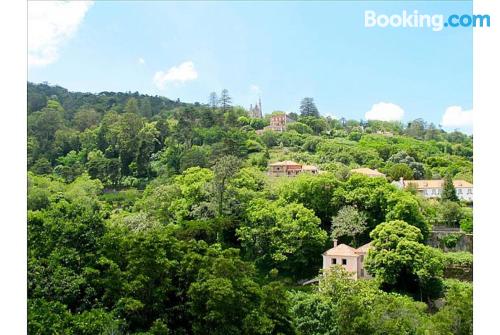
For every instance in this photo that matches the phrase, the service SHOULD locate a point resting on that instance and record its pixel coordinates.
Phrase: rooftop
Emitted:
(345, 250)
(367, 171)
(341, 250)
(285, 163)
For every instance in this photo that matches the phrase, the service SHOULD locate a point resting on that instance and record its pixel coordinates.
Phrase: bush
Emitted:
(451, 240)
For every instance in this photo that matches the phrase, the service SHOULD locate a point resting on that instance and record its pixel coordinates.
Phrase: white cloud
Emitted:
(141, 61)
(176, 75)
(456, 117)
(385, 111)
(50, 23)
(255, 89)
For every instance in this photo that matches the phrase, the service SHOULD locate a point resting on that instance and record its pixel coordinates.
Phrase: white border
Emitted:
(13, 67)
(13, 167)
(486, 162)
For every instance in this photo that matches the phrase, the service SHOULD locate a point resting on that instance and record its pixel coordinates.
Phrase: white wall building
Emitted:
(352, 260)
(434, 188)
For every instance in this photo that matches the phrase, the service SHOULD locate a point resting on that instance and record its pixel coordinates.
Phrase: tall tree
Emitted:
(348, 222)
(449, 192)
(308, 107)
(402, 262)
(224, 169)
(213, 100)
(225, 100)
(132, 106)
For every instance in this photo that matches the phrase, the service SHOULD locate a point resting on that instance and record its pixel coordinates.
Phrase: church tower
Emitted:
(256, 111)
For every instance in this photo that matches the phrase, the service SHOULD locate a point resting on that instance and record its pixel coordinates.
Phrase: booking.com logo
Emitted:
(416, 20)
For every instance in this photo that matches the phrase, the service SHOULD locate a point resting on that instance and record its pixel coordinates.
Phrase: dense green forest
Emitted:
(153, 216)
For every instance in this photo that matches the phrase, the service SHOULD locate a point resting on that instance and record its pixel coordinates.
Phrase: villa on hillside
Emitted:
(290, 169)
(278, 122)
(349, 258)
(434, 188)
(368, 172)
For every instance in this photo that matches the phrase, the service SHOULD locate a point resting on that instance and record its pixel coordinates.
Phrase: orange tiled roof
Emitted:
(364, 248)
(341, 250)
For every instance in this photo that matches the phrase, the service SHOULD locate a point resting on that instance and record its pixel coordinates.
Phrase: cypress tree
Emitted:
(449, 192)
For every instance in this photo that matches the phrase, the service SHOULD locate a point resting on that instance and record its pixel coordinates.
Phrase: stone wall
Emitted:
(450, 240)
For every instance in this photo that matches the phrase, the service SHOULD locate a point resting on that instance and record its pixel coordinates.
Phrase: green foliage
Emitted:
(449, 193)
(451, 240)
(348, 222)
(456, 315)
(466, 223)
(401, 262)
(300, 127)
(283, 236)
(449, 213)
(314, 192)
(308, 108)
(400, 170)
(139, 207)
(314, 314)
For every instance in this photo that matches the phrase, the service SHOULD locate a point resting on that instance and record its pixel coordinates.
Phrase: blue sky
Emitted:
(282, 51)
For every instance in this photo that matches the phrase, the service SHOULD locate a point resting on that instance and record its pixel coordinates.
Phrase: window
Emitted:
(334, 261)
(361, 258)
(469, 191)
(344, 261)
(459, 191)
(362, 272)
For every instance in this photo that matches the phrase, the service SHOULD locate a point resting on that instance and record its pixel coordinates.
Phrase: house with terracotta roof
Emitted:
(434, 188)
(290, 169)
(368, 172)
(349, 258)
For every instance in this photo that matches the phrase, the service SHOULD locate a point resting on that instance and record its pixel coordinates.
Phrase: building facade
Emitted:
(351, 259)
(290, 169)
(434, 188)
(279, 122)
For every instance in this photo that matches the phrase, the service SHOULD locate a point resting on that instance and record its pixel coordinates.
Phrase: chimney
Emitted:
(334, 243)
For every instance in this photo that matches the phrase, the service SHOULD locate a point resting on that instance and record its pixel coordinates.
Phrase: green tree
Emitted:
(449, 213)
(456, 316)
(449, 192)
(283, 236)
(348, 222)
(308, 108)
(224, 299)
(225, 100)
(86, 118)
(400, 170)
(402, 263)
(224, 169)
(315, 192)
(213, 101)
(314, 313)
(132, 106)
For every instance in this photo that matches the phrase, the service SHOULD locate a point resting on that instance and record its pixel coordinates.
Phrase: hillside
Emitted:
(149, 216)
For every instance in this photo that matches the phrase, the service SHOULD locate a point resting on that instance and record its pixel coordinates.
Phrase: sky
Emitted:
(278, 51)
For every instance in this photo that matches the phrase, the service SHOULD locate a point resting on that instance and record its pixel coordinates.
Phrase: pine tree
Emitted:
(308, 108)
(213, 100)
(225, 100)
(449, 192)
